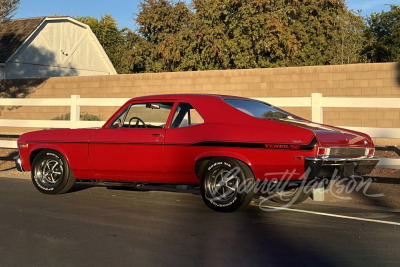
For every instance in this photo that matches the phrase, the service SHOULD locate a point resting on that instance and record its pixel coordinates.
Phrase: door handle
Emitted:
(158, 135)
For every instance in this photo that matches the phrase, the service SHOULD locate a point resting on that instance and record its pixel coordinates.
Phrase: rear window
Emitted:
(259, 109)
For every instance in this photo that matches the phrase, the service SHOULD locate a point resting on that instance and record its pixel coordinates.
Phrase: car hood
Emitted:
(330, 135)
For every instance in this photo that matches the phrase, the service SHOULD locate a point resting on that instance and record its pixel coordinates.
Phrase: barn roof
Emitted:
(13, 34)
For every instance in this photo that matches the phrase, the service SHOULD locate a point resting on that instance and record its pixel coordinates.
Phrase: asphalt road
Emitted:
(105, 227)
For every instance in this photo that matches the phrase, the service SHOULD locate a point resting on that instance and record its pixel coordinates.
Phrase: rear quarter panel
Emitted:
(185, 146)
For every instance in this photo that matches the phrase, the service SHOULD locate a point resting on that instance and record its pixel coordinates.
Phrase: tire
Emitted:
(51, 173)
(226, 184)
(291, 196)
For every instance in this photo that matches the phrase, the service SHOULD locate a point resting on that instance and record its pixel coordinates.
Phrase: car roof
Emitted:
(184, 96)
(212, 107)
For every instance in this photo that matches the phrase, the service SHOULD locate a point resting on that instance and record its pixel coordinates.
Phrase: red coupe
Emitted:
(226, 144)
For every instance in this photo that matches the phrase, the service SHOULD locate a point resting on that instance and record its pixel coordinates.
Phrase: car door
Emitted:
(186, 129)
(131, 147)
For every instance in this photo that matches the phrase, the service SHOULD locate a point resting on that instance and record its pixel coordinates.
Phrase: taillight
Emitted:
(323, 152)
(369, 152)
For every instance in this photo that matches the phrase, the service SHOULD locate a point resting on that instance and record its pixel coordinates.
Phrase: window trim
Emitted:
(176, 107)
(128, 106)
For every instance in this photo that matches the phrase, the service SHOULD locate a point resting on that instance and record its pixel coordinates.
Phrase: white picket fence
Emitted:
(316, 102)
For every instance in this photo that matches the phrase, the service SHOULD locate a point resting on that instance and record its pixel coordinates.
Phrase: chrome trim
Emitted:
(18, 164)
(349, 159)
(323, 160)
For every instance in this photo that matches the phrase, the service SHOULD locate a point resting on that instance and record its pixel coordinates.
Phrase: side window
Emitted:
(143, 115)
(185, 115)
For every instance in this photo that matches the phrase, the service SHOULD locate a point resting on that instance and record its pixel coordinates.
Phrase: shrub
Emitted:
(84, 117)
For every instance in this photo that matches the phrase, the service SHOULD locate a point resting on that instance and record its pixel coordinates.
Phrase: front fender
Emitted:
(27, 161)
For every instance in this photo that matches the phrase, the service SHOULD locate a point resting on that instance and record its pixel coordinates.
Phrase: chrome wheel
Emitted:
(50, 172)
(222, 185)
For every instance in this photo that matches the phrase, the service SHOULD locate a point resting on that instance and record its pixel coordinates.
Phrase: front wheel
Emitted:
(51, 173)
(227, 184)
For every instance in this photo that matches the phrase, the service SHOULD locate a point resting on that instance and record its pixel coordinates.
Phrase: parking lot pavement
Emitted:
(147, 226)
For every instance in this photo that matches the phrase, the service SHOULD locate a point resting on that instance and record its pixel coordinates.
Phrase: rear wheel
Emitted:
(227, 184)
(51, 173)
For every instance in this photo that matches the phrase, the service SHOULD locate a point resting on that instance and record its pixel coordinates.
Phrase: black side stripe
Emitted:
(230, 144)
(310, 146)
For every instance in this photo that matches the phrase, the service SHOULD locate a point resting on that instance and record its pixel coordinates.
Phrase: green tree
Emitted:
(211, 36)
(131, 53)
(244, 33)
(7, 9)
(235, 34)
(113, 40)
(349, 40)
(383, 29)
(264, 33)
(168, 37)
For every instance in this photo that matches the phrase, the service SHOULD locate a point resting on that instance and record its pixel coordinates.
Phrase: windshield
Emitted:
(259, 109)
(143, 115)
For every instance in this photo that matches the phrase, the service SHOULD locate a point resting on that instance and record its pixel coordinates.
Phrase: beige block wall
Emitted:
(358, 80)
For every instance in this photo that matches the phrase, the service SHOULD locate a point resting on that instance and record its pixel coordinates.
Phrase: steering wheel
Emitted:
(137, 122)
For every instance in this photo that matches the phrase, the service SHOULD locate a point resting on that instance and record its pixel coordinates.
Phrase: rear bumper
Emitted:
(343, 167)
(18, 164)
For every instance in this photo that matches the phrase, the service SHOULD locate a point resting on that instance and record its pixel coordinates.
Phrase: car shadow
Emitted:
(191, 189)
(384, 180)
(8, 159)
(375, 191)
(260, 236)
(79, 187)
(389, 148)
(10, 156)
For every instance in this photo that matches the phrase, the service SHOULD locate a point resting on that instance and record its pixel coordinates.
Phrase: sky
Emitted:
(124, 10)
